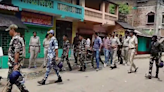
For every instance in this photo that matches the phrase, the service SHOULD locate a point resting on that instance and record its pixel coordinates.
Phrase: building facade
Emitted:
(43, 15)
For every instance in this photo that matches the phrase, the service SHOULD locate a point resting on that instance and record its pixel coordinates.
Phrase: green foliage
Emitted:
(123, 8)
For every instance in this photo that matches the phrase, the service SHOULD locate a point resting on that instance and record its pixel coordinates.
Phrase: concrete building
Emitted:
(145, 15)
(64, 16)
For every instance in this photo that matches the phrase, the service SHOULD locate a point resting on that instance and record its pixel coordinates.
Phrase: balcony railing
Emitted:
(98, 16)
(52, 7)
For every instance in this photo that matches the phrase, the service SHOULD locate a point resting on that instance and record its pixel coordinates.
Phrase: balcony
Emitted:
(51, 7)
(99, 16)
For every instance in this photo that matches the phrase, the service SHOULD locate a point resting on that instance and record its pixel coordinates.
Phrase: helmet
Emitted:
(60, 64)
(160, 64)
(14, 76)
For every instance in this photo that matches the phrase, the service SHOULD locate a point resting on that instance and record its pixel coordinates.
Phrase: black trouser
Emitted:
(68, 63)
(75, 53)
(152, 59)
(92, 59)
(119, 56)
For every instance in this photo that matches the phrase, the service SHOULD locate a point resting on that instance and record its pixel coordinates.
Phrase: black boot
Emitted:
(84, 67)
(81, 69)
(42, 82)
(156, 76)
(59, 80)
(70, 68)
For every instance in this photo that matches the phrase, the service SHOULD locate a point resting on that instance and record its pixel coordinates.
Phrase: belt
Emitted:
(132, 48)
(34, 46)
(125, 46)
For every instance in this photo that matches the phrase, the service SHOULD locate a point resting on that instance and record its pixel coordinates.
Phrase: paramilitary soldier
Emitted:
(66, 46)
(52, 59)
(15, 54)
(82, 53)
(155, 55)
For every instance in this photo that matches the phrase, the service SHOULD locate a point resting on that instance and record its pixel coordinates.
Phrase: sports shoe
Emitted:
(59, 80)
(105, 65)
(42, 82)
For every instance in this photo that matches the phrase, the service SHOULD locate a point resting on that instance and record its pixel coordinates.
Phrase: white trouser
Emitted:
(131, 58)
(45, 56)
(125, 54)
(114, 54)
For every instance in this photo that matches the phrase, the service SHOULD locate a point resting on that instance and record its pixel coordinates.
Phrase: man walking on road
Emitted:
(66, 46)
(82, 53)
(15, 57)
(97, 48)
(133, 46)
(114, 43)
(75, 45)
(155, 55)
(125, 47)
(106, 45)
(52, 59)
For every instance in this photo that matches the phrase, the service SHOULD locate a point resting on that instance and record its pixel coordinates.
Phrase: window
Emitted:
(150, 18)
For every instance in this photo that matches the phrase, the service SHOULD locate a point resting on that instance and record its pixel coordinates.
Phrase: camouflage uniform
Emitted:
(155, 55)
(66, 46)
(51, 58)
(76, 43)
(15, 46)
(82, 53)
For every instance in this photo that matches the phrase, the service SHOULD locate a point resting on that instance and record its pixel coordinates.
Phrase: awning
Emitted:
(7, 20)
(86, 31)
(125, 25)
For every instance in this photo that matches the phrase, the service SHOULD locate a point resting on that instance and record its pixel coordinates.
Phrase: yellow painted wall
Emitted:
(74, 29)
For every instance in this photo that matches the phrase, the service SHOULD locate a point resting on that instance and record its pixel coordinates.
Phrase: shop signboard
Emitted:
(10, 8)
(36, 19)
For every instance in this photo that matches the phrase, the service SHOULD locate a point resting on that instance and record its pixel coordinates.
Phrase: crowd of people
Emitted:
(116, 49)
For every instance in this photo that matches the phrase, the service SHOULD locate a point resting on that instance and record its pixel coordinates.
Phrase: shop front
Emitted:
(8, 17)
(36, 22)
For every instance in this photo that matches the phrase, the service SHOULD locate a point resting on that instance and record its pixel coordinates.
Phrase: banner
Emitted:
(35, 18)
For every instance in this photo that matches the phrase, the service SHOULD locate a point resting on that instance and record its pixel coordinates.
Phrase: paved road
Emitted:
(105, 80)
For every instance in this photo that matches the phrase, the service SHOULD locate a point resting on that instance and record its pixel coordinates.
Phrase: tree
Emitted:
(123, 8)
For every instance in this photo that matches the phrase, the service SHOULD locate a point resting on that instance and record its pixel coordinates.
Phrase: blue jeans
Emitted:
(110, 56)
(106, 54)
(97, 55)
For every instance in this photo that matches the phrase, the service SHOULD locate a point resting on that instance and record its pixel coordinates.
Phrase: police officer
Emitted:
(155, 55)
(82, 53)
(34, 48)
(114, 44)
(133, 46)
(15, 57)
(125, 47)
(52, 58)
(66, 46)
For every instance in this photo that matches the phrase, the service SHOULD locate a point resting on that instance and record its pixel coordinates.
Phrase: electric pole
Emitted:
(157, 18)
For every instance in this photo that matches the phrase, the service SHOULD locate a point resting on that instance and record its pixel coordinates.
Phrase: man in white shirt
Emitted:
(88, 42)
(133, 46)
(114, 43)
(125, 47)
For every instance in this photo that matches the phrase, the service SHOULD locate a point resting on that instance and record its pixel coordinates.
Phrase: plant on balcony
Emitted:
(123, 9)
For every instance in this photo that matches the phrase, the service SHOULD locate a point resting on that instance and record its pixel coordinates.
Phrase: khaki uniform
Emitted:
(114, 42)
(132, 50)
(46, 43)
(34, 49)
(125, 48)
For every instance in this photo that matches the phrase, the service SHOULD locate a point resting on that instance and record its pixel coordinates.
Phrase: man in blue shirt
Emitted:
(52, 58)
(97, 48)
